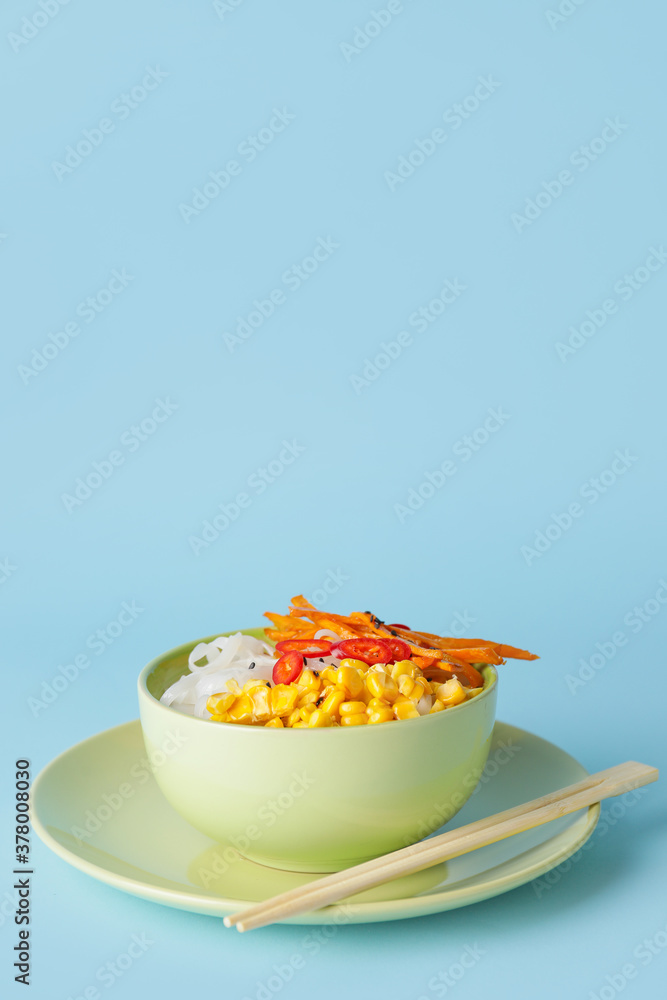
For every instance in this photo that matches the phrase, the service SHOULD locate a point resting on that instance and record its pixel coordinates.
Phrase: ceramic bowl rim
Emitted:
(185, 647)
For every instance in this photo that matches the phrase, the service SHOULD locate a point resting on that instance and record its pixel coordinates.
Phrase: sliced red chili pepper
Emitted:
(367, 650)
(396, 625)
(399, 649)
(288, 668)
(307, 647)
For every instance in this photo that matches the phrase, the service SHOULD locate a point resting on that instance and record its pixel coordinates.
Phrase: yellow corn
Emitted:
(350, 680)
(260, 697)
(359, 719)
(406, 685)
(333, 701)
(318, 719)
(308, 698)
(451, 693)
(352, 708)
(403, 667)
(421, 687)
(381, 715)
(352, 694)
(283, 699)
(251, 684)
(354, 664)
(241, 710)
(382, 686)
(308, 681)
(219, 703)
(294, 717)
(375, 703)
(405, 709)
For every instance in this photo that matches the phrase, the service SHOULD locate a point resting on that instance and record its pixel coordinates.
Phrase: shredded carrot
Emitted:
(478, 654)
(428, 650)
(516, 654)
(300, 602)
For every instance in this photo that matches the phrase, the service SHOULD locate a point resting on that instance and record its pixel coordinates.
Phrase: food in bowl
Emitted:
(328, 670)
(344, 800)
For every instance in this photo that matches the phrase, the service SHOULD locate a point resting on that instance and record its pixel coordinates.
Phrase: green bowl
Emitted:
(313, 800)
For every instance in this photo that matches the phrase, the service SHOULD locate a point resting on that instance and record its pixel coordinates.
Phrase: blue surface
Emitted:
(535, 236)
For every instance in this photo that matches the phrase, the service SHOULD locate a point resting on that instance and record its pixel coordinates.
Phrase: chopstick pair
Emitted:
(324, 891)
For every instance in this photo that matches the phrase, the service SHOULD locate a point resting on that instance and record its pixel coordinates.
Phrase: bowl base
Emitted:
(307, 868)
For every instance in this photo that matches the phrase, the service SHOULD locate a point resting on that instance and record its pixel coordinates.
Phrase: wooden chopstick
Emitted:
(416, 857)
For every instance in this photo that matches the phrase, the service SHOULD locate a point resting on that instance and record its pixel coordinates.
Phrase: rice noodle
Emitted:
(237, 657)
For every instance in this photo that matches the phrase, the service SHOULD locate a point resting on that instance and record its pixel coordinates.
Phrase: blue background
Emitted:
(333, 510)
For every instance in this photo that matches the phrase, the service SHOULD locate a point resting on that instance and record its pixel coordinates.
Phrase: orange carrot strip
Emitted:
(332, 622)
(424, 646)
(516, 654)
(468, 676)
(446, 642)
(300, 602)
(424, 664)
(285, 622)
(478, 654)
(438, 674)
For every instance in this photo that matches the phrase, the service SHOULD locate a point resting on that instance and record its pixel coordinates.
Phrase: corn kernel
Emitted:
(405, 709)
(354, 664)
(309, 698)
(421, 688)
(224, 717)
(403, 667)
(381, 685)
(274, 724)
(318, 719)
(241, 709)
(219, 703)
(306, 711)
(233, 686)
(437, 706)
(283, 699)
(351, 681)
(381, 715)
(358, 719)
(375, 703)
(294, 717)
(333, 701)
(308, 681)
(451, 693)
(299, 725)
(260, 697)
(253, 683)
(352, 708)
(406, 685)
(328, 675)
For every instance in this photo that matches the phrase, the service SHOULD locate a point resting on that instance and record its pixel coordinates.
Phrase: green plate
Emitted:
(97, 806)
